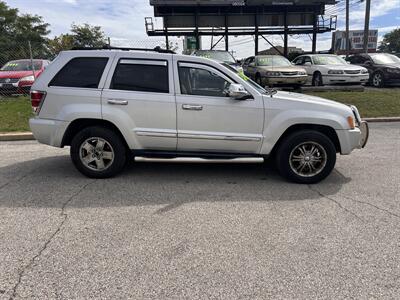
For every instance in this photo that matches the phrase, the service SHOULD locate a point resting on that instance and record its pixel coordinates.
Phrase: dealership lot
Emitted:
(190, 230)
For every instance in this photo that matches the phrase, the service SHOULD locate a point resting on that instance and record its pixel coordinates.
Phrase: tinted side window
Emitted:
(81, 72)
(138, 77)
(307, 59)
(299, 61)
(201, 82)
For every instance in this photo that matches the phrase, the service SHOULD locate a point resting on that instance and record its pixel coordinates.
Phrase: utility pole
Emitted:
(347, 28)
(366, 27)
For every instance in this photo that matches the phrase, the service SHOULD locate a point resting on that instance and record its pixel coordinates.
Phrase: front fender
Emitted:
(277, 122)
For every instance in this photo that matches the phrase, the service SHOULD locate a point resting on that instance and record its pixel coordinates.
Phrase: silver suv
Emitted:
(110, 105)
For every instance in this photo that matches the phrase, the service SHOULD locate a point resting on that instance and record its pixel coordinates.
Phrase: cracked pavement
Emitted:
(197, 230)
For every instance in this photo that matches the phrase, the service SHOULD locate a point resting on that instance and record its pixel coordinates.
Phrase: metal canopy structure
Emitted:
(240, 17)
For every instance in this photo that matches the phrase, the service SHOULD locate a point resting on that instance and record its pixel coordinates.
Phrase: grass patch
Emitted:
(371, 104)
(14, 114)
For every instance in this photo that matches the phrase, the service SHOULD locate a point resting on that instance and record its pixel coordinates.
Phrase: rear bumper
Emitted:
(49, 132)
(332, 79)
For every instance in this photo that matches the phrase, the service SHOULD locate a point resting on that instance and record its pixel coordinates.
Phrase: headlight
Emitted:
(335, 72)
(351, 122)
(364, 71)
(301, 73)
(28, 78)
(273, 74)
(393, 70)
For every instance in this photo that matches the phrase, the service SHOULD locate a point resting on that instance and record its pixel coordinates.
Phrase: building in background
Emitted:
(356, 41)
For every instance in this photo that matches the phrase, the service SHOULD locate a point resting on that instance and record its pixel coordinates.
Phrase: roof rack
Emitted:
(157, 49)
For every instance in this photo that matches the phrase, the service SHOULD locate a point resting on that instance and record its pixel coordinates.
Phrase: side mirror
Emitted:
(238, 92)
(368, 63)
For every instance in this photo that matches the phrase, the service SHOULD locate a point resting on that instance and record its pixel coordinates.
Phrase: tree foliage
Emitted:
(391, 42)
(15, 32)
(81, 36)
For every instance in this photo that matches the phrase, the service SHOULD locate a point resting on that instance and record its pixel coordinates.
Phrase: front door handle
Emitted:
(117, 102)
(192, 107)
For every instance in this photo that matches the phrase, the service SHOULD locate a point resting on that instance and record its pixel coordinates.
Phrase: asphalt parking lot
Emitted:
(189, 230)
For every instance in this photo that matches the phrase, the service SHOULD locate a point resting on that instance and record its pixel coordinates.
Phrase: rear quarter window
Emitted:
(152, 78)
(81, 72)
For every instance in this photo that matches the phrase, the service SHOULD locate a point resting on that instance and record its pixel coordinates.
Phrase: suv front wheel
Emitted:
(306, 157)
(98, 152)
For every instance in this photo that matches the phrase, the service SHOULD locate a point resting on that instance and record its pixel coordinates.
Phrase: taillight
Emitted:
(37, 99)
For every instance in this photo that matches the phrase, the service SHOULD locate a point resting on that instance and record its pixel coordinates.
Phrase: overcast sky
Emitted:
(123, 21)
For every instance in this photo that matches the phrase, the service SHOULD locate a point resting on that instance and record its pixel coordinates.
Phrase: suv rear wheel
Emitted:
(306, 157)
(98, 152)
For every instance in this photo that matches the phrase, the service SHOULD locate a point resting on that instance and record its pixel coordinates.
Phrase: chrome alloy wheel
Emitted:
(96, 154)
(377, 79)
(308, 159)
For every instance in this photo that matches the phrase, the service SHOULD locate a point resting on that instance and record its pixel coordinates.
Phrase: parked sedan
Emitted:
(384, 68)
(331, 69)
(271, 70)
(17, 76)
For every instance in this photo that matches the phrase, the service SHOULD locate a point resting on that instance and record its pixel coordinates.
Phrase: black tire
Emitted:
(285, 156)
(378, 80)
(317, 79)
(112, 144)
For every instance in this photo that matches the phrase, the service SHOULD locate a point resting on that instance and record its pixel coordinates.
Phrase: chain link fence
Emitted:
(21, 63)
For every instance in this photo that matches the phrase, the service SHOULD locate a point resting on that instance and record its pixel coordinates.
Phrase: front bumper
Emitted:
(295, 80)
(345, 78)
(49, 132)
(14, 88)
(353, 138)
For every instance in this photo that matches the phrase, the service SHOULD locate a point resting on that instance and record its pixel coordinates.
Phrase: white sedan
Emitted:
(331, 69)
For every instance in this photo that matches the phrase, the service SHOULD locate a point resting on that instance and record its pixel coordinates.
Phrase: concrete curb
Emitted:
(28, 136)
(16, 136)
(381, 120)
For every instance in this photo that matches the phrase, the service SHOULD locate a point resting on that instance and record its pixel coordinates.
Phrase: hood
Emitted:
(313, 101)
(281, 69)
(16, 74)
(344, 67)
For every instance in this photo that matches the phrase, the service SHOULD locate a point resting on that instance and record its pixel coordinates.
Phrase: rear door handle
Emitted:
(192, 107)
(117, 102)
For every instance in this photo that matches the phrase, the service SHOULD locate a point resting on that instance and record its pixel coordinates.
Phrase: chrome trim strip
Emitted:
(156, 134)
(219, 137)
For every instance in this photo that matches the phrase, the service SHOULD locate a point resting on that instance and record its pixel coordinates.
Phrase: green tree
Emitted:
(81, 36)
(88, 36)
(15, 32)
(391, 42)
(60, 43)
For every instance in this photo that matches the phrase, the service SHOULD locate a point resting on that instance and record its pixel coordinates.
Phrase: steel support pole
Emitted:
(366, 27)
(347, 28)
(196, 21)
(285, 36)
(226, 34)
(314, 37)
(256, 34)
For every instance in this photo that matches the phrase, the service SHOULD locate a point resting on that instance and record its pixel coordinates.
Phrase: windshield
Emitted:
(221, 56)
(329, 60)
(245, 78)
(385, 59)
(21, 65)
(275, 60)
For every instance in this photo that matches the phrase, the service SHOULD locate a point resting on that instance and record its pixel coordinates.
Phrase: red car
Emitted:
(17, 76)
